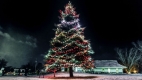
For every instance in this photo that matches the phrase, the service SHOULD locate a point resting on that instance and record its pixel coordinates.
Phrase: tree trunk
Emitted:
(129, 71)
(54, 73)
(71, 71)
(19, 72)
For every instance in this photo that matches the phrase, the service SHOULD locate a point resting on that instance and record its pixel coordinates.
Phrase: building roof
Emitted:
(108, 63)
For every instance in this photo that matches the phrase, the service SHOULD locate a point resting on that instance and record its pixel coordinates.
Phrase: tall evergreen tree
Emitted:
(69, 49)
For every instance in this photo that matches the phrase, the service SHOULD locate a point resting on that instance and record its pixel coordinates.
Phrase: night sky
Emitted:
(26, 27)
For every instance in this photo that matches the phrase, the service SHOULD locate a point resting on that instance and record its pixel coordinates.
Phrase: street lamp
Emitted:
(35, 64)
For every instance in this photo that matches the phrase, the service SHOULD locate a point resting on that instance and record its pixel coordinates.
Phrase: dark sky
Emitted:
(109, 24)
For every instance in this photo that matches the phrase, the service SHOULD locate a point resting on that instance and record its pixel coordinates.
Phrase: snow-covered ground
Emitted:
(90, 77)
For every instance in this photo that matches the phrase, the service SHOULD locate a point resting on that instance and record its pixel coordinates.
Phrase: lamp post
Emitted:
(35, 64)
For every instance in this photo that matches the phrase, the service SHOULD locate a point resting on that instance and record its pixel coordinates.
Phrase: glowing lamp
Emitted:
(135, 71)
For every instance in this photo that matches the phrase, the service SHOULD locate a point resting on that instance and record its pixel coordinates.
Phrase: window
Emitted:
(116, 70)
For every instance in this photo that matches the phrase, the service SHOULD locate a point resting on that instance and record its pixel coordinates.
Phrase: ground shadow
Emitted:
(75, 77)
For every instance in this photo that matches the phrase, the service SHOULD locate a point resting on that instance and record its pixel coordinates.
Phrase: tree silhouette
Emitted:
(3, 63)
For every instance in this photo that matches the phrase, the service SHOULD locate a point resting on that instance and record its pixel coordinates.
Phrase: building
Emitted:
(19, 71)
(101, 66)
(108, 66)
(75, 69)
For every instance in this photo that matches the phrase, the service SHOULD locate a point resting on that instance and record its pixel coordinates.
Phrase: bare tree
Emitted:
(138, 45)
(129, 58)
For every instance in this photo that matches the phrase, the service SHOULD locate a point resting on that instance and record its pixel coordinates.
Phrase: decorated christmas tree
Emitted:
(69, 49)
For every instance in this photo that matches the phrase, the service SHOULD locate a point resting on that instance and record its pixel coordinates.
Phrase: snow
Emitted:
(66, 75)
